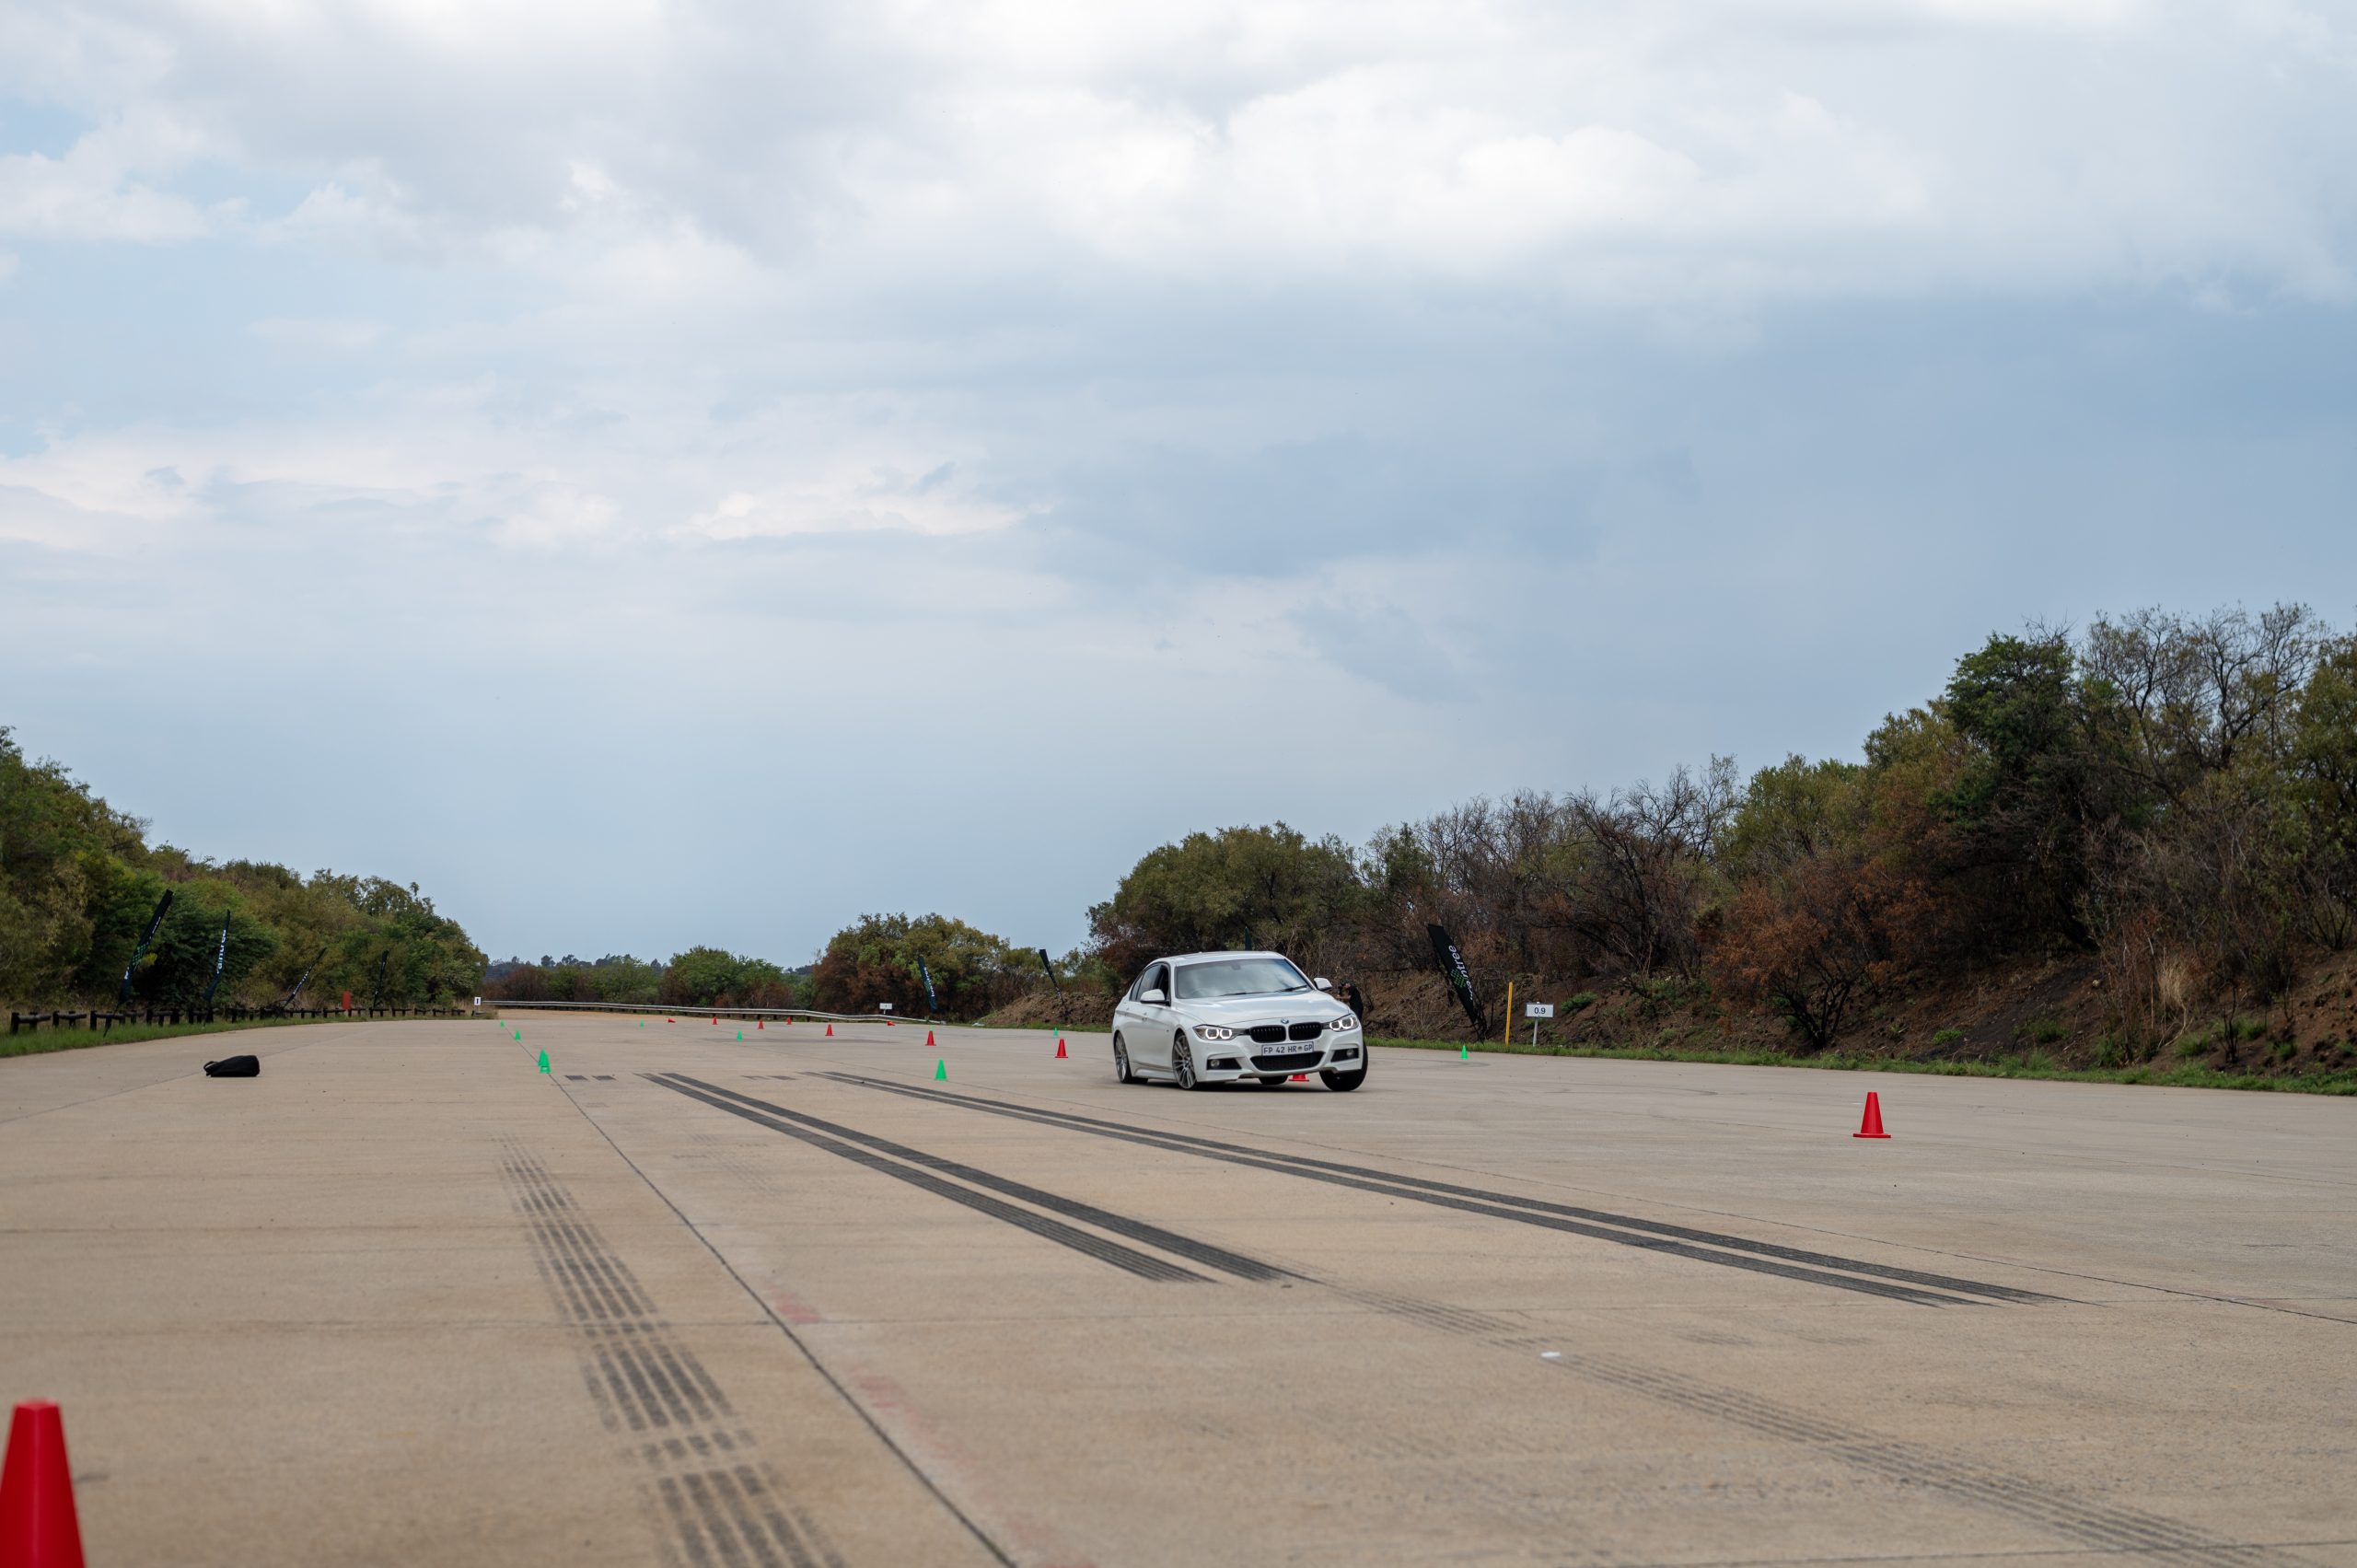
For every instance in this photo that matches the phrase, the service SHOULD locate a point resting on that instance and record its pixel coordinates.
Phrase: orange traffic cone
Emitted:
(1061, 1054)
(831, 1031)
(37, 1523)
(1872, 1126)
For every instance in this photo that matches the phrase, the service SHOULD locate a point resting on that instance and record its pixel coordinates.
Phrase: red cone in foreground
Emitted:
(1872, 1126)
(1300, 1078)
(831, 1031)
(37, 1525)
(1060, 1054)
(928, 1037)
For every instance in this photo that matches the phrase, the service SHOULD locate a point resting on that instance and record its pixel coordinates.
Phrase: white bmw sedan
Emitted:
(1221, 1017)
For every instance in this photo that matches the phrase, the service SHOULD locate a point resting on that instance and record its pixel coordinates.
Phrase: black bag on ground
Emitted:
(234, 1067)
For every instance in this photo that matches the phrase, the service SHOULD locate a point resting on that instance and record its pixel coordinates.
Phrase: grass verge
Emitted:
(36, 1042)
(2330, 1081)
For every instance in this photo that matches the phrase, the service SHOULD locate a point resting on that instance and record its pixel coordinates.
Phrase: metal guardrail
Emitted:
(103, 1021)
(812, 1014)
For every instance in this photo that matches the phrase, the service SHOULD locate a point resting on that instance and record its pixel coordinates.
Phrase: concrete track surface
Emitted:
(404, 1299)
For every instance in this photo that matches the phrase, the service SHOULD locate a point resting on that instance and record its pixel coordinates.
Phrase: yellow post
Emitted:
(1509, 1039)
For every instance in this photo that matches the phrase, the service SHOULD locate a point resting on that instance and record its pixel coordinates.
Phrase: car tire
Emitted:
(1122, 1073)
(1343, 1083)
(1182, 1064)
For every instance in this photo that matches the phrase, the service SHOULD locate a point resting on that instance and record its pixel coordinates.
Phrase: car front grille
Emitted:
(1307, 1031)
(1267, 1063)
(1268, 1034)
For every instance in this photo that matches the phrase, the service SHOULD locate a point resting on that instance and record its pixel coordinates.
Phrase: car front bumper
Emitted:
(1223, 1061)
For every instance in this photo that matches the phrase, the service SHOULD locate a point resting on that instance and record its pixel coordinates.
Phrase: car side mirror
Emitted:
(1322, 983)
(1154, 998)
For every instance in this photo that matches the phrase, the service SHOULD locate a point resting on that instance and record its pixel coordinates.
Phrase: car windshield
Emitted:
(1237, 977)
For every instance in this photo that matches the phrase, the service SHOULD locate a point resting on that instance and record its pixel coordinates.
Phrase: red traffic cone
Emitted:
(37, 1525)
(1872, 1126)
(831, 1031)
(1062, 1055)
(715, 1020)
(928, 1037)
(1300, 1078)
(757, 1023)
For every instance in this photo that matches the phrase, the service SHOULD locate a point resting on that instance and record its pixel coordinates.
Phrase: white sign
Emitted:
(1540, 1010)
(883, 1007)
(478, 1000)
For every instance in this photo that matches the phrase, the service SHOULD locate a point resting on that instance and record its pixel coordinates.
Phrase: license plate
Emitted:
(1289, 1048)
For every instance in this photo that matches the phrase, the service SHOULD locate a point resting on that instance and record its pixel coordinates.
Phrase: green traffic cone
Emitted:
(544, 1061)
(1465, 1053)
(740, 1037)
(941, 1071)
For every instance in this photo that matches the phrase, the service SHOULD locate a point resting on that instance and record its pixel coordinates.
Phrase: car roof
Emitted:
(1198, 958)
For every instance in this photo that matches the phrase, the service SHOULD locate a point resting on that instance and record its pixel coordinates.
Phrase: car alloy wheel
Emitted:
(1182, 1061)
(1122, 1073)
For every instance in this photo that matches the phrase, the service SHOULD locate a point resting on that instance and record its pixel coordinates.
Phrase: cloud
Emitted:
(850, 497)
(1617, 153)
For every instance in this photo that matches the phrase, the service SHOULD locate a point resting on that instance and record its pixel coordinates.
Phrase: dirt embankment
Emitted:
(2056, 1012)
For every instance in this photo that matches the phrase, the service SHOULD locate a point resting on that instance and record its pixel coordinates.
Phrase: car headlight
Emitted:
(1343, 1024)
(1213, 1031)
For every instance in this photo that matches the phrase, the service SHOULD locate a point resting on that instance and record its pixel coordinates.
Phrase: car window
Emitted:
(1238, 977)
(1155, 978)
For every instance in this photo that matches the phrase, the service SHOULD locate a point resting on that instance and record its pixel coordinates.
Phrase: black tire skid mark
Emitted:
(1171, 1241)
(2098, 1526)
(725, 1509)
(1522, 1211)
(1144, 1265)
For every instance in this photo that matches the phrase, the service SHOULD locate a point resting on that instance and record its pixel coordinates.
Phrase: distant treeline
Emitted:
(79, 883)
(874, 961)
(2171, 798)
(2175, 798)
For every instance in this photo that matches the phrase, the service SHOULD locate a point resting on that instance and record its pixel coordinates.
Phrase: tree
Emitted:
(1817, 942)
(875, 960)
(1240, 888)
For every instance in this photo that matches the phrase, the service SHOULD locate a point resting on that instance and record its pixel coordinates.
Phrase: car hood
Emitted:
(1298, 1005)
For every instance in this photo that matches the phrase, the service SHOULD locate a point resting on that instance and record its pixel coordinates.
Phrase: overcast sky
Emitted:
(658, 474)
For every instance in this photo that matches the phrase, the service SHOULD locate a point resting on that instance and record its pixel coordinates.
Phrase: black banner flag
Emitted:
(306, 976)
(932, 1007)
(141, 951)
(1051, 972)
(220, 959)
(1452, 964)
(376, 997)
